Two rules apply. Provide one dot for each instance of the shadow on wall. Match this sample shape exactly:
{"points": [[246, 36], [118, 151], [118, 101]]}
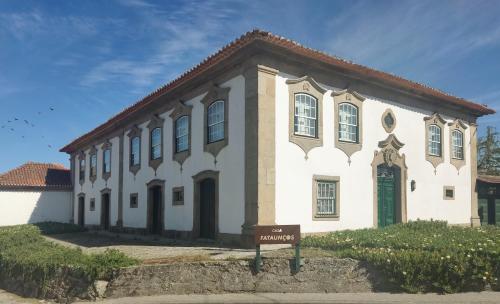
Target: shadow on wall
{"points": [[49, 206]]}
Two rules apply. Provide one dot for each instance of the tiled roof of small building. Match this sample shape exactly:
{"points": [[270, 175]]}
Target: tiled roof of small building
{"points": [[489, 179], [36, 175], [297, 48]]}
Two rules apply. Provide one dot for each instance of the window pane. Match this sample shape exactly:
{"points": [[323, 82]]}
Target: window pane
{"points": [[156, 143], [305, 115], [135, 151], [434, 140], [181, 134], [457, 147], [93, 165], [106, 161], [215, 121], [326, 198], [348, 122]]}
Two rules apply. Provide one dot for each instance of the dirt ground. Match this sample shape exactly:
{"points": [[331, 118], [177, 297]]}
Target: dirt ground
{"points": [[161, 250]]}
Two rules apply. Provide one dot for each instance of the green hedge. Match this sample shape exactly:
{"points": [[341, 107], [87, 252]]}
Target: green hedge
{"points": [[24, 252], [424, 256]]}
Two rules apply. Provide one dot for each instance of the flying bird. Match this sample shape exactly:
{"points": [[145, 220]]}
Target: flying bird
{"points": [[15, 119], [26, 122], [12, 129], [8, 121], [49, 146], [51, 108], [32, 125]]}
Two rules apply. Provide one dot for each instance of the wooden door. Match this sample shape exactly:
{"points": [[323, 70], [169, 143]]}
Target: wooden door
{"points": [[105, 211], [207, 208], [386, 190], [156, 210], [81, 211]]}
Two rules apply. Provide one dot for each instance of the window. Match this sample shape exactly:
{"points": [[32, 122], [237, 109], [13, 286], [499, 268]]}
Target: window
{"points": [[93, 165], [434, 140], [305, 117], [134, 200], [348, 122], [325, 204], [92, 204], [325, 197], [434, 126], [106, 163], [457, 144], [135, 151], [82, 169], [156, 144], [215, 121], [182, 134], [178, 196], [448, 192]]}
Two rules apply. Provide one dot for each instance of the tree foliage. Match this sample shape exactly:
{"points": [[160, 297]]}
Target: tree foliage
{"points": [[488, 153]]}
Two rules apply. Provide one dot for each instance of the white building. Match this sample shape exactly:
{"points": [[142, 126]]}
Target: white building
{"points": [[267, 131], [35, 192]]}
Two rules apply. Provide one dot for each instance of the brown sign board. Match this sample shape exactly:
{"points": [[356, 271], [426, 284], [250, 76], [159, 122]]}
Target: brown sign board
{"points": [[277, 234]]}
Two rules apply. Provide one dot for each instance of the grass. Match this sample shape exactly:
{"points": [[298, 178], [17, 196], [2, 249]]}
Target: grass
{"points": [[423, 256], [25, 252]]}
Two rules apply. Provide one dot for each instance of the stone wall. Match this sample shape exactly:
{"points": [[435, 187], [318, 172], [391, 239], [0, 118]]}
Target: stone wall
{"points": [[65, 285], [277, 275]]}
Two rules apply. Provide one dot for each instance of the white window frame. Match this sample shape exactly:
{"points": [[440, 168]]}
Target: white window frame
{"points": [[215, 119], [301, 129], [184, 135], [106, 164], [138, 154], [457, 148], [345, 112], [326, 201], [435, 142], [93, 165], [158, 145]]}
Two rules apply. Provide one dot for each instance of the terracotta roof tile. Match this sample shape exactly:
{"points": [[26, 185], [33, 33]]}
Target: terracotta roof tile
{"points": [[292, 46], [37, 175], [489, 179]]}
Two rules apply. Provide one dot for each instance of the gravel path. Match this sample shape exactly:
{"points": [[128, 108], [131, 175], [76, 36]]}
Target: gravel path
{"points": [[153, 248]]}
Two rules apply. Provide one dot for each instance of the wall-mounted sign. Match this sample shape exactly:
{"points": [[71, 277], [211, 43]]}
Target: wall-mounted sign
{"points": [[277, 234]]}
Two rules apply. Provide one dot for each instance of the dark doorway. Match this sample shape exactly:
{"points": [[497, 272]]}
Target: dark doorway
{"points": [[155, 213], [207, 208], [105, 211], [388, 205], [81, 211]]}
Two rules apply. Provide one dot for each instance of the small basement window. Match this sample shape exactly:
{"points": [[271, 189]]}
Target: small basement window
{"points": [[134, 200], [178, 196], [448, 192]]}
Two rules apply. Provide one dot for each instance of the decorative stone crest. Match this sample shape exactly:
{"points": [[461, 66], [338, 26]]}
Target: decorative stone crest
{"points": [[388, 121]]}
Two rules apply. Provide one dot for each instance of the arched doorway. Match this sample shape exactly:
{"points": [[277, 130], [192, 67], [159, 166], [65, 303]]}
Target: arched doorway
{"points": [[206, 205], [156, 207], [389, 183]]}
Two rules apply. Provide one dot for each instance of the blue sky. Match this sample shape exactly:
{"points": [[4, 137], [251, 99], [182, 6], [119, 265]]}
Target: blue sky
{"points": [[90, 59]]}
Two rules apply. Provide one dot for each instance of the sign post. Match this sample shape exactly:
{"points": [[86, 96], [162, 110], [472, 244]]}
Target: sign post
{"points": [[277, 234]]}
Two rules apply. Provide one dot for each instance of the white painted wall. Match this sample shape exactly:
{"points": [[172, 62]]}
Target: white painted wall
{"points": [[294, 173], [22, 207], [93, 191], [230, 164]]}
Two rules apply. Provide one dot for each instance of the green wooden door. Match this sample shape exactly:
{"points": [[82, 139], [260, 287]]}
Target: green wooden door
{"points": [[386, 199]]}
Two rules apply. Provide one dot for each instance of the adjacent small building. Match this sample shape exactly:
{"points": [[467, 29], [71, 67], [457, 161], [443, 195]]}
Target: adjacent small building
{"points": [[267, 131], [488, 189], [35, 192]]}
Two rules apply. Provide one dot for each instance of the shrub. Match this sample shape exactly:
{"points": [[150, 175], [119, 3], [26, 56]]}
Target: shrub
{"points": [[423, 256], [48, 228], [25, 253]]}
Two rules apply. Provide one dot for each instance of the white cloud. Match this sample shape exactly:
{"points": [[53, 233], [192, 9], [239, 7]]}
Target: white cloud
{"points": [[191, 30]]}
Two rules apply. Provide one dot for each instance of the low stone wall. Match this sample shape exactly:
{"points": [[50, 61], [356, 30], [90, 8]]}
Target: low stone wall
{"points": [[316, 275], [67, 284]]}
